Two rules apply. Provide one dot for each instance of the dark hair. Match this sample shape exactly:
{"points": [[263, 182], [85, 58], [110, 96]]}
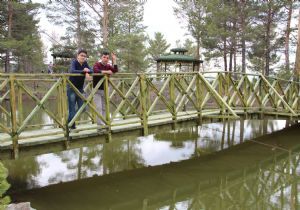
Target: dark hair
{"points": [[104, 52], [81, 51]]}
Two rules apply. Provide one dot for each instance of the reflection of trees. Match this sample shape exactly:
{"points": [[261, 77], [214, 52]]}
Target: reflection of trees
{"points": [[178, 137], [120, 155], [262, 187], [22, 172], [82, 161], [110, 157]]}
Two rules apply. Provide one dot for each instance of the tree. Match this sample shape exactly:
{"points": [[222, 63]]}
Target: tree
{"points": [[194, 13], [266, 40], [20, 40], [297, 62], [102, 11], [245, 12], [157, 46], [127, 37], [191, 47], [289, 9], [217, 34], [73, 15]]}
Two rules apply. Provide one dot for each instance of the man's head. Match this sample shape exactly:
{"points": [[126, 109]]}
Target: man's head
{"points": [[104, 57], [81, 55]]}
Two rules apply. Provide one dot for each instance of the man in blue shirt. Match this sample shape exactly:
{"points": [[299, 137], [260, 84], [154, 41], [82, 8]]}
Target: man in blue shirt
{"points": [[78, 66]]}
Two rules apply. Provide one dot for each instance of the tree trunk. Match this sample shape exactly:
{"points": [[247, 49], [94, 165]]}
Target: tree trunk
{"points": [[287, 36], [230, 58], [105, 22], [225, 55], [78, 24], [267, 39], [198, 49], [234, 58], [225, 47], [243, 37], [297, 61], [243, 55], [8, 51], [198, 54]]}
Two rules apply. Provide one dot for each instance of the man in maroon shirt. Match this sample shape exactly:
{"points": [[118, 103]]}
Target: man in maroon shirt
{"points": [[103, 67]]}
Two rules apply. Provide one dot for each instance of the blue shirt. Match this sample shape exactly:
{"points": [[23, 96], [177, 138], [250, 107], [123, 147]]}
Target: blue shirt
{"points": [[77, 68]]}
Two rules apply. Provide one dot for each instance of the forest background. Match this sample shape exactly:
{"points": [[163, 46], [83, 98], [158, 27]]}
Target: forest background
{"points": [[229, 35]]}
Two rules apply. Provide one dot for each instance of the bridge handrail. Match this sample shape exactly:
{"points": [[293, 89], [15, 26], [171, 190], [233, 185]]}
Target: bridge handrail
{"points": [[142, 96]]}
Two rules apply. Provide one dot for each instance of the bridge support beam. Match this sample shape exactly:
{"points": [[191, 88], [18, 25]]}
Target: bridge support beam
{"points": [[13, 115], [172, 100], [143, 101]]}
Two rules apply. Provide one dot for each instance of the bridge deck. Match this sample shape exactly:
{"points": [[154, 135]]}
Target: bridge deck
{"points": [[51, 135]]}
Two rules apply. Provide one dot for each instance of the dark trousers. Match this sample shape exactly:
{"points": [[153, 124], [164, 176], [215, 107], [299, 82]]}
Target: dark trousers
{"points": [[73, 99]]}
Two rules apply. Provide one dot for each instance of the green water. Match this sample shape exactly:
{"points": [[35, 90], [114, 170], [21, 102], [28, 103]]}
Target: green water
{"points": [[214, 166]]}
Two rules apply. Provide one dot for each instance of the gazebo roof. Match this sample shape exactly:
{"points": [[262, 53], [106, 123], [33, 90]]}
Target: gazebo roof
{"points": [[62, 55], [179, 50], [178, 56]]}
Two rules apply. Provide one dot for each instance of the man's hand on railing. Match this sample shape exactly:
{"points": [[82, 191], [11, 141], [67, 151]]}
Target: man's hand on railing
{"points": [[108, 72], [86, 70], [88, 77]]}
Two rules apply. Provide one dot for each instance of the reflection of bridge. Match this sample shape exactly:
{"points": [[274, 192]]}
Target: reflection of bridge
{"points": [[261, 175], [137, 102]]}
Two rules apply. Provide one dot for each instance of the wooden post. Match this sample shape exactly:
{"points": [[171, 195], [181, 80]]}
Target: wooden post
{"points": [[143, 101], [123, 90], [59, 104], [228, 75], [107, 111], [65, 108], [20, 105], [14, 134], [199, 100], [261, 115], [172, 99]]}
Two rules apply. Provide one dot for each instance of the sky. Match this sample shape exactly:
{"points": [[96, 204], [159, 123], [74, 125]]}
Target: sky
{"points": [[158, 17]]}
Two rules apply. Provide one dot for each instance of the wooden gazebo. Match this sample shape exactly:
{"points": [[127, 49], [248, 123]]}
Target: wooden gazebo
{"points": [[179, 61], [62, 55]]}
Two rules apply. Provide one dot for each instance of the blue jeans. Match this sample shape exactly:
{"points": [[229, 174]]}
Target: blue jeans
{"points": [[73, 98]]}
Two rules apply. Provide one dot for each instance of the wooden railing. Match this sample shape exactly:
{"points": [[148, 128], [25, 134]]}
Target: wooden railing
{"points": [[142, 99]]}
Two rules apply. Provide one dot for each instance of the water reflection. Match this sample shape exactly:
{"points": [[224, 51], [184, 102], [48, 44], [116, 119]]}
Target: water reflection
{"points": [[273, 187], [246, 176], [133, 152]]}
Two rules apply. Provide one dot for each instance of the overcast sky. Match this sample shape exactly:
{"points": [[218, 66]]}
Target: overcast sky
{"points": [[158, 17]]}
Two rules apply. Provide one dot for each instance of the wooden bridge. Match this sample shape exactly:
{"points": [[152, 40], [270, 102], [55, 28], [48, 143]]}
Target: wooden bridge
{"points": [[135, 101]]}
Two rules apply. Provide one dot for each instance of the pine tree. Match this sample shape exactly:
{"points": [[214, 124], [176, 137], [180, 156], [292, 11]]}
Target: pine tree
{"points": [[102, 11], [297, 61], [127, 38], [157, 47], [20, 40], [193, 12], [75, 18], [216, 37], [191, 48], [266, 40]]}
